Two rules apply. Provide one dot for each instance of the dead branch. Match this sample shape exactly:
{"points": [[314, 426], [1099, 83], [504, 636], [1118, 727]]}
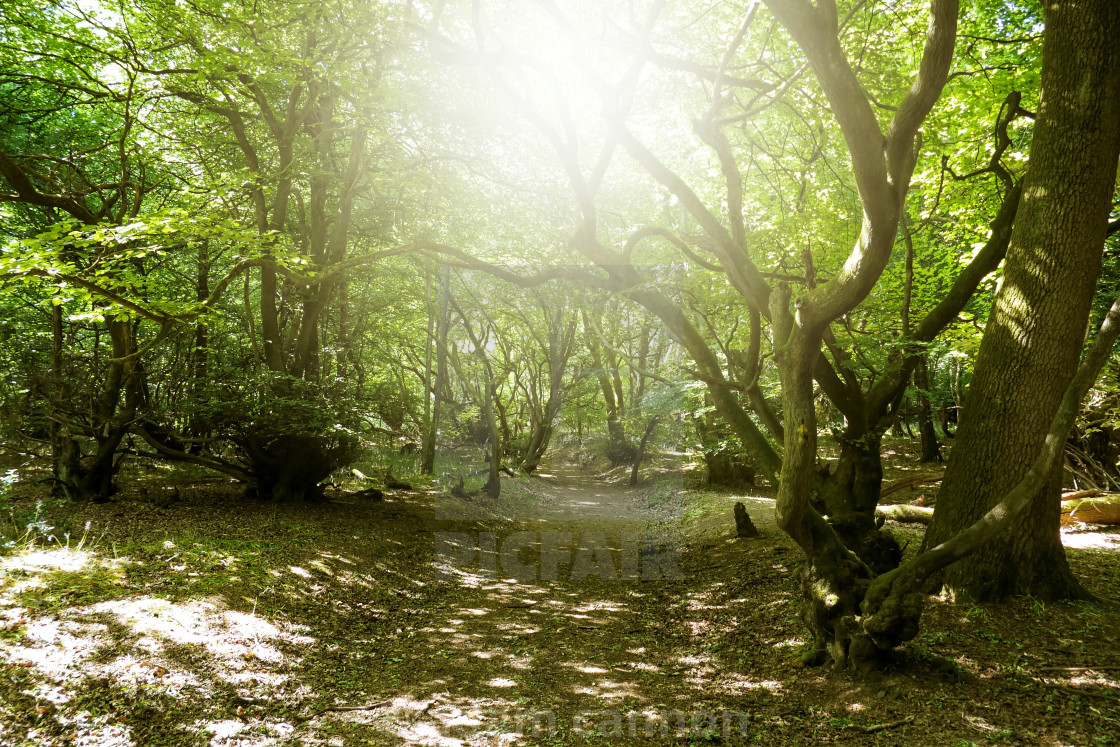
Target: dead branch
{"points": [[922, 479], [907, 514]]}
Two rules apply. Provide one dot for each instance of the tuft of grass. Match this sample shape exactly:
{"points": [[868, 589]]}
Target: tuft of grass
{"points": [[60, 589]]}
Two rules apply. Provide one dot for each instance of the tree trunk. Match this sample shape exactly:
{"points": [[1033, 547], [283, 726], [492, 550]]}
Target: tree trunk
{"points": [[619, 448], [82, 477], [931, 449], [848, 498], [640, 452], [1037, 326], [493, 486], [59, 396], [443, 322], [290, 468], [197, 427], [945, 415]]}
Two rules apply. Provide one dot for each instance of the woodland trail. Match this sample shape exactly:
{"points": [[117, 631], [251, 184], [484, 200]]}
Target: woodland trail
{"points": [[568, 635]]}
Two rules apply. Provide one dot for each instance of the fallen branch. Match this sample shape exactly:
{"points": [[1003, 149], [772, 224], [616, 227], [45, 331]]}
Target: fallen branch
{"points": [[905, 513], [923, 479], [1099, 510], [1082, 494], [883, 727]]}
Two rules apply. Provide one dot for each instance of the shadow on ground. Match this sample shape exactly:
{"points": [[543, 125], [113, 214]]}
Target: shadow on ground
{"points": [[219, 621]]}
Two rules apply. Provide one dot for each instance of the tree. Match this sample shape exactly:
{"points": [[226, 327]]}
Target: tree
{"points": [[846, 555], [1034, 334], [80, 178]]}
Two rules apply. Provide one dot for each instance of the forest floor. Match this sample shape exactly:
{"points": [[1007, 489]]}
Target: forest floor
{"points": [[419, 620]]}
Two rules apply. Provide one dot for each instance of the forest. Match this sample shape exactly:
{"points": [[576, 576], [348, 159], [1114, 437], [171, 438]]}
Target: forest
{"points": [[555, 372]]}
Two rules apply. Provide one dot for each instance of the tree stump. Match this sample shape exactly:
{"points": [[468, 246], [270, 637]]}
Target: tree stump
{"points": [[744, 527]]}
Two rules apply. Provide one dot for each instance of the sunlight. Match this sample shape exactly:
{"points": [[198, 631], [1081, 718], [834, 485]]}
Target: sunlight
{"points": [[600, 605], [742, 684], [58, 559], [644, 666], [585, 668], [257, 257], [517, 628], [221, 730], [1089, 540]]}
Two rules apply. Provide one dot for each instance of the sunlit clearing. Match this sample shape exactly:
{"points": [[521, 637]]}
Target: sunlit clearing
{"points": [[1082, 540], [59, 559]]}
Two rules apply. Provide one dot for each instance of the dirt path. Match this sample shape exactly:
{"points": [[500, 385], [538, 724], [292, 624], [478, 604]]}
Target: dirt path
{"points": [[564, 636]]}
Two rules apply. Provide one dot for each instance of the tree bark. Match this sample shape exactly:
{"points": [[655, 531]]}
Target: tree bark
{"points": [[1037, 326], [931, 449]]}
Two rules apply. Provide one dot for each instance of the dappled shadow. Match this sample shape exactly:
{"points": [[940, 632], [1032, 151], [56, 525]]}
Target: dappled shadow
{"points": [[344, 622]]}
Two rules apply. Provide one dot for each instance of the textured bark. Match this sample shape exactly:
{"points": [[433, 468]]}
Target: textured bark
{"points": [[834, 579], [1036, 329], [848, 498], [892, 604]]}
